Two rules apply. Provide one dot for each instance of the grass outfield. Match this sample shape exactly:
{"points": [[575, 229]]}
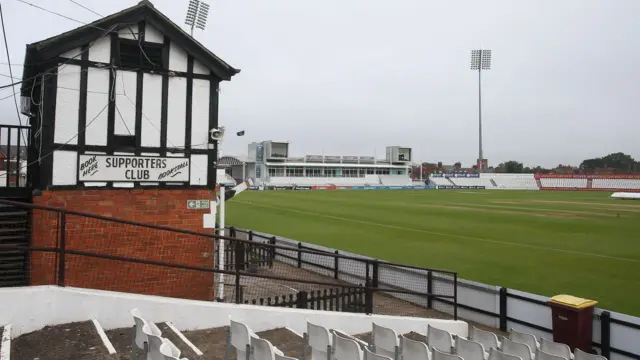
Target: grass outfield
{"points": [[580, 243]]}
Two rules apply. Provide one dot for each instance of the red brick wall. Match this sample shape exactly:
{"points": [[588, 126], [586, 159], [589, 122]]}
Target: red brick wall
{"points": [[153, 206]]}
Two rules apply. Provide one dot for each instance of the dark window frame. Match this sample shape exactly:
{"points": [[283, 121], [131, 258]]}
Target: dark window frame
{"points": [[130, 55]]}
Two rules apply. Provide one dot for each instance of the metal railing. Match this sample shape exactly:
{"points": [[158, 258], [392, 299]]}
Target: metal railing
{"points": [[70, 248]]}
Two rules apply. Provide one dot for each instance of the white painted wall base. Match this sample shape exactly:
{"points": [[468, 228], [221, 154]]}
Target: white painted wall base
{"points": [[37, 306]]}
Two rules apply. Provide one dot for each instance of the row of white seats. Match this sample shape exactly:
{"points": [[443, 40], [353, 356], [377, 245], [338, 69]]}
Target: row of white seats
{"points": [[439, 181], [148, 338], [396, 180], [473, 182], [616, 184], [563, 183], [441, 345], [516, 184]]}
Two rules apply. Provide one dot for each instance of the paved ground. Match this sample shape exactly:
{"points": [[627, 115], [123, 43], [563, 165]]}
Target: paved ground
{"points": [[69, 341]]}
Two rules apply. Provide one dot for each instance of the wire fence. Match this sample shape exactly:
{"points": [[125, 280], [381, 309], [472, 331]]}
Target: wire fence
{"points": [[69, 248]]}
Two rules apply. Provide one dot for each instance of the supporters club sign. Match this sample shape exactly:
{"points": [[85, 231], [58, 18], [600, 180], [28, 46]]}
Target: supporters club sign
{"points": [[133, 168]]}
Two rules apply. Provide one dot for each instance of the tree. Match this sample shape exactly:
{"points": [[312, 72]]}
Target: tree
{"points": [[618, 161], [457, 166], [511, 166]]}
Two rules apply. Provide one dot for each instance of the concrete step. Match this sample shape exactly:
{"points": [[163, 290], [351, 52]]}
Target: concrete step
{"points": [[78, 340]]}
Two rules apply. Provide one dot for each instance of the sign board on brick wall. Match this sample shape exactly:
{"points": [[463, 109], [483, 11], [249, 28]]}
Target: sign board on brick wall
{"points": [[197, 204], [119, 168]]}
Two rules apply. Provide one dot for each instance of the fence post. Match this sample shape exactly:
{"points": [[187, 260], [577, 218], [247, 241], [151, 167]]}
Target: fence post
{"points": [[455, 296], [605, 334], [375, 278], [301, 300], [299, 254], [250, 235], [335, 266], [429, 289], [238, 289], [503, 309], [368, 292], [63, 246], [273, 251]]}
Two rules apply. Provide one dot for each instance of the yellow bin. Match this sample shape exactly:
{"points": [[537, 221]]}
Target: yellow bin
{"points": [[572, 319]]}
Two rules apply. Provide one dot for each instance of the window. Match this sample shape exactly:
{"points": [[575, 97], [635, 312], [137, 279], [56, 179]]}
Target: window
{"points": [[314, 172], [135, 55], [124, 142], [294, 171], [349, 172]]}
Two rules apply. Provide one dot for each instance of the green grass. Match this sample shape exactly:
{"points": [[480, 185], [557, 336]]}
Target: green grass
{"points": [[578, 243]]}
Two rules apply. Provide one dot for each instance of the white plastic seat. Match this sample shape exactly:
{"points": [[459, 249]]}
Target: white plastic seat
{"points": [[343, 334], [413, 350], [140, 336], [170, 351], [283, 357], [384, 341], [541, 355], [439, 355], [524, 338], [346, 349], [581, 355], [319, 340], [239, 337], [439, 339], [156, 342], [370, 355], [495, 354], [521, 350], [469, 349], [487, 339], [263, 349], [557, 349]]}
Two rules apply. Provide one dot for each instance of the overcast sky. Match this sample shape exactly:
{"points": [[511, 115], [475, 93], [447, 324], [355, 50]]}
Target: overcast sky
{"points": [[349, 77]]}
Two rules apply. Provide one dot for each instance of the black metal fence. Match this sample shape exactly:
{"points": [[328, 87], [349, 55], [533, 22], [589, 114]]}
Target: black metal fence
{"points": [[338, 299], [70, 248], [407, 289]]}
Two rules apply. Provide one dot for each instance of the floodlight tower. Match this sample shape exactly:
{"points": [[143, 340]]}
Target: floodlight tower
{"points": [[480, 60], [197, 13]]}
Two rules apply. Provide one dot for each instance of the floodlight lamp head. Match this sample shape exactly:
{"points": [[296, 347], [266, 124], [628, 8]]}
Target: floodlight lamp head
{"points": [[480, 59], [192, 11]]}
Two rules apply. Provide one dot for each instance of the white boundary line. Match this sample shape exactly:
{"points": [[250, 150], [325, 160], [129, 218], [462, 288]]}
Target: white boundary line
{"points": [[5, 345], [103, 336], [442, 234], [184, 338]]}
